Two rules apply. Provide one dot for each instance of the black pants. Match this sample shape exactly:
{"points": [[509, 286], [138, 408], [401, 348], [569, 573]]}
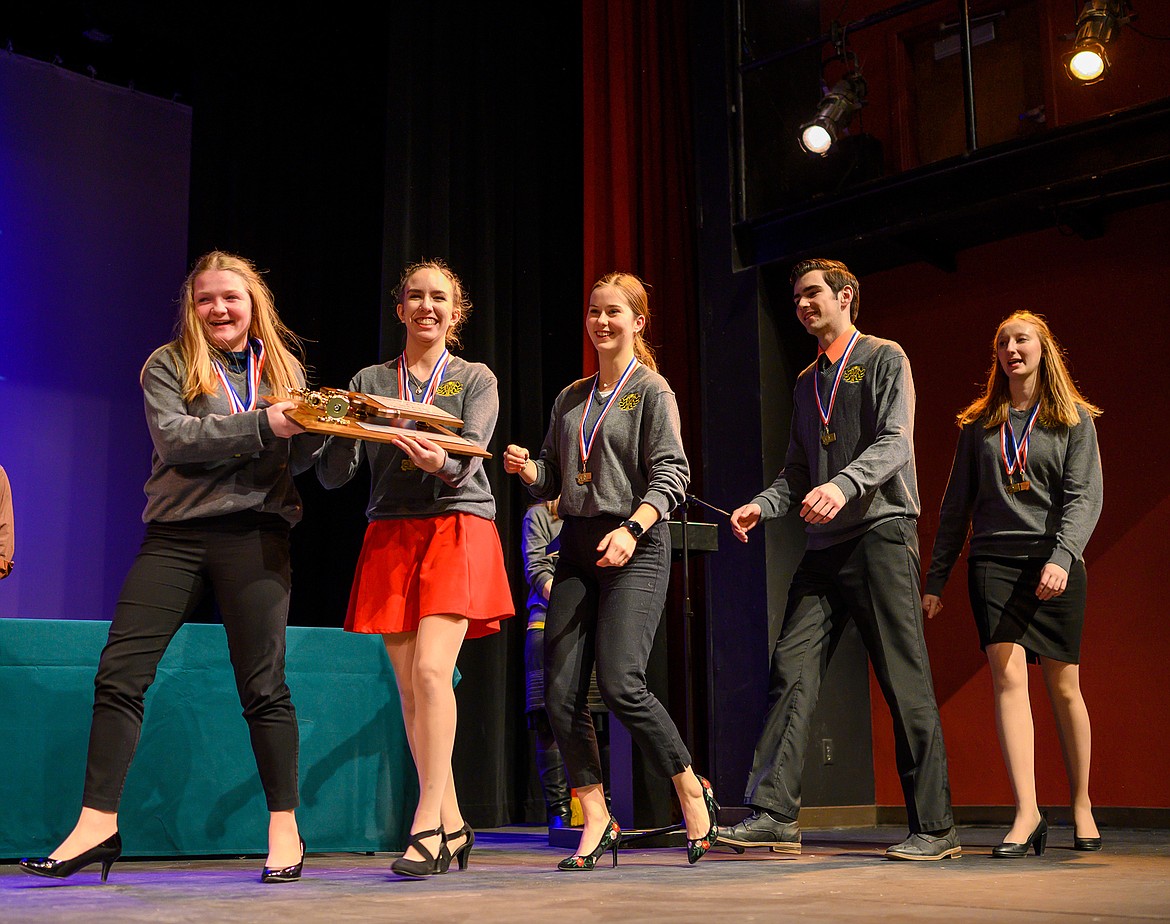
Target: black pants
{"points": [[244, 559], [872, 579], [608, 616]]}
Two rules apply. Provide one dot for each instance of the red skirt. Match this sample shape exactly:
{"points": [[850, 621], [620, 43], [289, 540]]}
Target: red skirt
{"points": [[446, 565]]}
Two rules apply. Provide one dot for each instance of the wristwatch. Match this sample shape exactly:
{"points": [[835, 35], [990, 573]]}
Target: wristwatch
{"points": [[636, 529]]}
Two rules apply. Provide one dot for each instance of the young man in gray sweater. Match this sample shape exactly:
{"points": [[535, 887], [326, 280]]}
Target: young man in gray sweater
{"points": [[850, 470]]}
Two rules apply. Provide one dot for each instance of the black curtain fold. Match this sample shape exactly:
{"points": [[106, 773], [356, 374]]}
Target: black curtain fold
{"points": [[334, 153], [483, 169]]}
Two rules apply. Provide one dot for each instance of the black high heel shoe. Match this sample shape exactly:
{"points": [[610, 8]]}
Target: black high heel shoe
{"points": [[1086, 843], [1038, 840], [104, 853], [431, 863], [463, 853], [285, 873], [699, 846], [609, 841]]}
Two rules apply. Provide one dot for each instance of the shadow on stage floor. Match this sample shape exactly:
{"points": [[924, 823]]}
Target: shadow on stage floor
{"points": [[840, 876]]}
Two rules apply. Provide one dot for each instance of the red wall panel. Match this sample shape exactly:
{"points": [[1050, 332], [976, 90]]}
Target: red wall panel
{"points": [[1106, 301]]}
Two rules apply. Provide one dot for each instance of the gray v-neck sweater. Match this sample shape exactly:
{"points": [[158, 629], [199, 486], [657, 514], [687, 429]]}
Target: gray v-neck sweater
{"points": [[637, 456], [872, 457], [210, 462], [397, 488], [1053, 519]]}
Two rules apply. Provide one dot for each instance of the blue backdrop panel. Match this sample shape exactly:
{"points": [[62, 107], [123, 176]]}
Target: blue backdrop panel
{"points": [[193, 787], [94, 183]]}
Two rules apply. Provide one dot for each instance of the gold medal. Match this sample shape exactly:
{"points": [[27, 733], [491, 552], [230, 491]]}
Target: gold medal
{"points": [[584, 477], [1018, 486], [827, 437]]}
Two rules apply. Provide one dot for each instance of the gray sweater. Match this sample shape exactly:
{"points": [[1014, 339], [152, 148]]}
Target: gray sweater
{"points": [[210, 462], [1052, 520], [872, 458], [539, 531], [637, 455], [399, 490]]}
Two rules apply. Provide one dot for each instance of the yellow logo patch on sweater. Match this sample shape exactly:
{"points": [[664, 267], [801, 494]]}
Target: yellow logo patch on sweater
{"points": [[854, 374], [449, 389], [629, 402]]}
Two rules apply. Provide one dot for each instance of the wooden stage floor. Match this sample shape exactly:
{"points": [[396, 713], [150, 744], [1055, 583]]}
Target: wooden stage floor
{"points": [[841, 876]]}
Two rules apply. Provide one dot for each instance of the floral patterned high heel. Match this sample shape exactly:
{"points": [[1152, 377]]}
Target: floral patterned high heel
{"points": [[609, 841], [697, 847]]}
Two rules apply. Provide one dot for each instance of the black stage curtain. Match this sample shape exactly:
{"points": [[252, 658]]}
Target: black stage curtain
{"points": [[483, 168], [335, 150]]}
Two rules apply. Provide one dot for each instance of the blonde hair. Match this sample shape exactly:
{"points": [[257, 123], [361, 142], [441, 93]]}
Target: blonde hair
{"points": [[1059, 396], [634, 292], [459, 300], [283, 365]]}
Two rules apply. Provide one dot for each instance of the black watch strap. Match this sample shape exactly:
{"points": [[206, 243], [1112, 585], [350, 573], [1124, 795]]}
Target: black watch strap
{"points": [[636, 529]]}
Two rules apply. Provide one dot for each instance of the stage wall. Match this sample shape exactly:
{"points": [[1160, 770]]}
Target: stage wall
{"points": [[1110, 314], [93, 237]]}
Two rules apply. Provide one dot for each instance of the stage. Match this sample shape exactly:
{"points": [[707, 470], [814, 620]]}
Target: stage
{"points": [[511, 877]]}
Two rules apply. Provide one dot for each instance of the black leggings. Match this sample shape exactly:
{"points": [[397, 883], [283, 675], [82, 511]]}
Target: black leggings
{"points": [[244, 560]]}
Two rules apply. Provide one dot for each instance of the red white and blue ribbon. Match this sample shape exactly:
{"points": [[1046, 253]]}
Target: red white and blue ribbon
{"points": [[1015, 454], [428, 394], [586, 443], [255, 351], [826, 414]]}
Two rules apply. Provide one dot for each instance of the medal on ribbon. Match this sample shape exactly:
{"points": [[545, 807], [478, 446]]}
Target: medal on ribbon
{"points": [[827, 436], [1015, 454], [255, 371], [427, 396], [586, 443]]}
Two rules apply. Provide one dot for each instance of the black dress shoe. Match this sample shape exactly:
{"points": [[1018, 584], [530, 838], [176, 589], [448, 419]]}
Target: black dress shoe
{"points": [[560, 814], [1085, 843], [430, 863], [461, 855], [762, 830], [921, 846], [1013, 851], [285, 873], [104, 853]]}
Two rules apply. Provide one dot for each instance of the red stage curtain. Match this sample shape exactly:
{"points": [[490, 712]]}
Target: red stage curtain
{"points": [[639, 170]]}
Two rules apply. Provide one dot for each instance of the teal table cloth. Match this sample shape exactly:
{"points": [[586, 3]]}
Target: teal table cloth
{"points": [[193, 787]]}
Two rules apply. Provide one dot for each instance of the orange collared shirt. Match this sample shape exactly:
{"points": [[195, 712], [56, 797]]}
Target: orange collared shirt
{"points": [[837, 348]]}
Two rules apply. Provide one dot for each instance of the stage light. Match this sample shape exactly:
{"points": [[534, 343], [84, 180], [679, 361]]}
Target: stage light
{"points": [[1099, 22], [819, 134]]}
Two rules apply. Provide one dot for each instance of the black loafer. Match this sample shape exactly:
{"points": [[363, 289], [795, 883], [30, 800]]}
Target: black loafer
{"points": [[762, 830], [927, 847]]}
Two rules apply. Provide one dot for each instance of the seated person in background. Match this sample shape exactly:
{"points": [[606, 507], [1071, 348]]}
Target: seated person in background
{"points": [[7, 536]]}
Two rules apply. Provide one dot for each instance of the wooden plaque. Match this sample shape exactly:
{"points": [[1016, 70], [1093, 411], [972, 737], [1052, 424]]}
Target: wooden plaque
{"points": [[359, 416]]}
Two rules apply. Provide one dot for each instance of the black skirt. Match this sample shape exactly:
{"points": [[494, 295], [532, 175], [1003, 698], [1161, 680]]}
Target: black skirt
{"points": [[1006, 608]]}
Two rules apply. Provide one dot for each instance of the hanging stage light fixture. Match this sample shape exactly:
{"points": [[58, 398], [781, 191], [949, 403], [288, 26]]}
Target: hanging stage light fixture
{"points": [[1099, 22], [834, 112], [836, 108]]}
